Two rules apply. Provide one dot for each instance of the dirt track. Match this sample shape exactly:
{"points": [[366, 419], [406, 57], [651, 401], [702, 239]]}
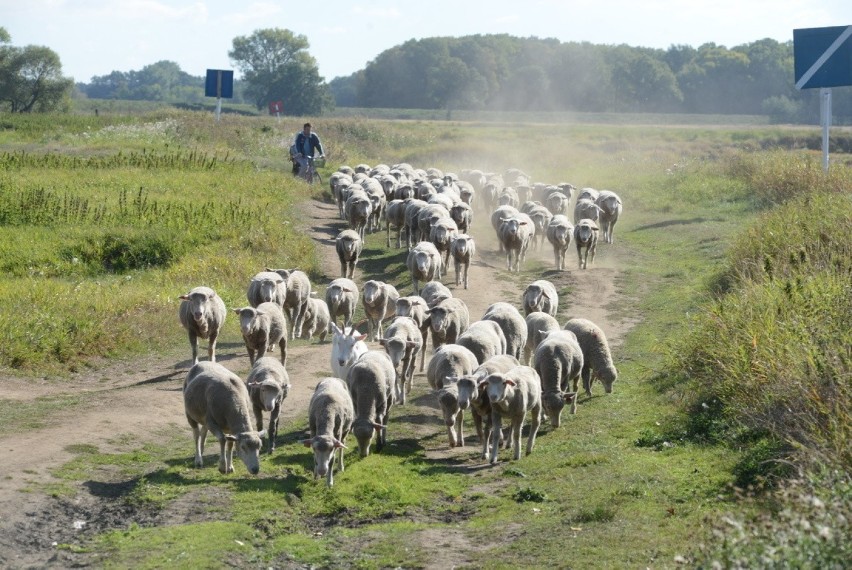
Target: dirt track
{"points": [[140, 399]]}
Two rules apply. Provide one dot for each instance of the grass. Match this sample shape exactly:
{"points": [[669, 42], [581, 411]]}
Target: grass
{"points": [[631, 480]]}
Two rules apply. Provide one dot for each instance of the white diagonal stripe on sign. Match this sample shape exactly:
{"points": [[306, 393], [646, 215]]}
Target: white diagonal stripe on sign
{"points": [[824, 57]]}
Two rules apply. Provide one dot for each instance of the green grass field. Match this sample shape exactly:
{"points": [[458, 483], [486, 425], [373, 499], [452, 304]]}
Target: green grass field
{"points": [[106, 218]]}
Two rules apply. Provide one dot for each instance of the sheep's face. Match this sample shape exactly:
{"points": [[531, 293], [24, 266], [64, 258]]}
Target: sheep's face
{"points": [[511, 226], [396, 348], [448, 399], [247, 317], [498, 388], [363, 431], [440, 319], [268, 289], [372, 290], [323, 447], [461, 246], [270, 393], [553, 402], [422, 262], [404, 307], [199, 304], [468, 391], [248, 446], [585, 232]]}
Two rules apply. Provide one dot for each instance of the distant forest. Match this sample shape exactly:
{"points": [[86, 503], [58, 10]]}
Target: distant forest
{"points": [[507, 73]]}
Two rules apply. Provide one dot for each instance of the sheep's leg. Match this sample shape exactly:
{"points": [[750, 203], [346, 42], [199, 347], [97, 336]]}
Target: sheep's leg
{"points": [[193, 344], [272, 432], [211, 347], [199, 434], [282, 344], [535, 422], [258, 416], [516, 438], [587, 380], [459, 426], [496, 431]]}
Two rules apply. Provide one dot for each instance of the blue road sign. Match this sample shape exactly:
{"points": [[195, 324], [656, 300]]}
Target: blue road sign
{"points": [[219, 83], [823, 57]]}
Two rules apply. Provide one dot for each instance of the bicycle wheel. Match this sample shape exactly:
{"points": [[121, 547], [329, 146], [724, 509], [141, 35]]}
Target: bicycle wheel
{"points": [[317, 178]]}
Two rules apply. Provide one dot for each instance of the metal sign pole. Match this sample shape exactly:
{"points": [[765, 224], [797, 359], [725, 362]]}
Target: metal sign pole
{"points": [[825, 120], [218, 95]]}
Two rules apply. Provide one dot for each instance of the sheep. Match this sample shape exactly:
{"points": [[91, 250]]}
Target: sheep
{"points": [[348, 245], [337, 182], [341, 296], [559, 233], [538, 325], [586, 209], [585, 238], [402, 341], [412, 211], [462, 215], [267, 287], [268, 384], [557, 203], [588, 194], [359, 212], [298, 287], [331, 413], [395, 215], [428, 216], [441, 235], [540, 217], [484, 339], [597, 357], [202, 313], [462, 250], [371, 384], [415, 307], [467, 192], [424, 264], [512, 394], [470, 395], [513, 324], [379, 300], [540, 295], [449, 360], [217, 400], [509, 197], [515, 235], [347, 345], [316, 319], [610, 210], [448, 319], [262, 328], [378, 200], [434, 292], [559, 363]]}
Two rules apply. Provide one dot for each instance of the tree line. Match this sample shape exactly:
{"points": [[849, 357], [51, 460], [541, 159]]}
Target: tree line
{"points": [[496, 72]]}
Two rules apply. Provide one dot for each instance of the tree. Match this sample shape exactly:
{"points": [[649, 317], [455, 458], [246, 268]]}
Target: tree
{"points": [[276, 65], [31, 78]]}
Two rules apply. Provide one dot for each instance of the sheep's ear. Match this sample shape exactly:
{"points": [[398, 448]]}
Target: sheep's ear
{"points": [[184, 297], [410, 344], [377, 426], [261, 433], [482, 384], [230, 437], [361, 336], [569, 397], [383, 341], [237, 311], [509, 382], [339, 444], [307, 442]]}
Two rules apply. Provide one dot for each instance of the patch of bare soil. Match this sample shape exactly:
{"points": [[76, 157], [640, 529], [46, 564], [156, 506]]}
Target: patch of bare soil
{"points": [[138, 400]]}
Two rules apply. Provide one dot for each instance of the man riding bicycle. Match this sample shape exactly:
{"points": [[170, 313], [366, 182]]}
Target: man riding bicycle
{"points": [[303, 148]]}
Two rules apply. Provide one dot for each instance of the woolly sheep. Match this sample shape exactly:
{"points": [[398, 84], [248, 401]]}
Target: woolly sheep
{"points": [[298, 287], [559, 232], [610, 205], [317, 319], [448, 319], [371, 384], [202, 313], [585, 238], [395, 216], [217, 400], [597, 357], [484, 339], [415, 307], [586, 209], [462, 215], [441, 235], [402, 341], [378, 200], [347, 345], [513, 324], [448, 401], [268, 384], [559, 362], [540, 217], [557, 203], [538, 324], [588, 194], [428, 216], [337, 182], [462, 250], [515, 235], [512, 394], [359, 212], [467, 192], [267, 287], [509, 197], [471, 396], [434, 292], [449, 360], [330, 416], [341, 296], [379, 300], [540, 295], [348, 245], [411, 229], [424, 264], [262, 328]]}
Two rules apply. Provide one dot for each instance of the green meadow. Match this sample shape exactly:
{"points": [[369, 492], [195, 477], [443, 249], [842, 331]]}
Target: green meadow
{"points": [[732, 402]]}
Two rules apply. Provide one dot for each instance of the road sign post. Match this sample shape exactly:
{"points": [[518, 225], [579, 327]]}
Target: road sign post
{"points": [[823, 58], [219, 83]]}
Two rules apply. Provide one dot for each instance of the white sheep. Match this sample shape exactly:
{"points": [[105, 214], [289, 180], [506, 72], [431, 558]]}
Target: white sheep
{"points": [[268, 384], [610, 205], [559, 363], [347, 345], [359, 212], [586, 239], [402, 341], [540, 217], [379, 300], [588, 194], [267, 287], [298, 286], [202, 313], [441, 235], [513, 324], [217, 400], [597, 357], [424, 264], [538, 325], [462, 250], [559, 233], [348, 245], [341, 296], [557, 203], [428, 216], [416, 308], [512, 394], [484, 339], [316, 320], [371, 384], [540, 295], [395, 216], [515, 235], [330, 417], [262, 328], [434, 292], [449, 360], [411, 229], [448, 319], [586, 209], [497, 217]]}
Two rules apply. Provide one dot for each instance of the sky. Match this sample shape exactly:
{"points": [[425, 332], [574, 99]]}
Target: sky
{"points": [[97, 37]]}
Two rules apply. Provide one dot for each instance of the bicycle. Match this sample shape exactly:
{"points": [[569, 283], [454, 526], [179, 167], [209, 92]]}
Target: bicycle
{"points": [[311, 175]]}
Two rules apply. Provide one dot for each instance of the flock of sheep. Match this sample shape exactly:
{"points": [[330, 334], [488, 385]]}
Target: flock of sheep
{"points": [[506, 365]]}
